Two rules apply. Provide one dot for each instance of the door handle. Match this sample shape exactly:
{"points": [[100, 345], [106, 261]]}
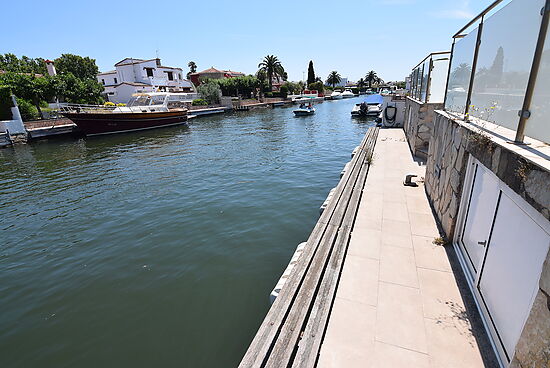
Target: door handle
{"points": [[482, 243]]}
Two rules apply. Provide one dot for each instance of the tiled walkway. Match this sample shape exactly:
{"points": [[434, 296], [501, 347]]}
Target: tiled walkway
{"points": [[397, 304]]}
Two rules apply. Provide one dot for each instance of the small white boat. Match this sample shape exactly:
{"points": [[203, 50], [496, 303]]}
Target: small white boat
{"points": [[304, 111], [347, 94], [335, 95], [359, 109]]}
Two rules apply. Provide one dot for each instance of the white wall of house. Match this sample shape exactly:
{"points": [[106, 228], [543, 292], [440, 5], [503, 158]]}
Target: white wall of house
{"points": [[108, 79], [136, 71]]}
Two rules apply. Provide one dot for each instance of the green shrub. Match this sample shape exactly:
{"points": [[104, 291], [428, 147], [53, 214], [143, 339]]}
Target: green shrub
{"points": [[318, 86], [355, 90], [5, 103], [199, 102], [28, 110], [284, 91], [268, 94], [211, 92]]}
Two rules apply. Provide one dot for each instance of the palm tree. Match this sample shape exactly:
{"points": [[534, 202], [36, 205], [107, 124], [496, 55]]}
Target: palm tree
{"points": [[371, 78], [192, 68], [273, 68], [333, 78], [360, 83]]}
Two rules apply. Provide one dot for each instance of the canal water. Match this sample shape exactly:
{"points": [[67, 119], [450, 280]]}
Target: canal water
{"points": [[159, 248]]}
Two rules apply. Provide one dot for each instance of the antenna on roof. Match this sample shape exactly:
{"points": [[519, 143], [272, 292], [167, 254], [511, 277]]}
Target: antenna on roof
{"points": [[157, 51]]}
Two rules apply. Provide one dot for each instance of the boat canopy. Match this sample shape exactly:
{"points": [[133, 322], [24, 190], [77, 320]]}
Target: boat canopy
{"points": [[374, 99]]}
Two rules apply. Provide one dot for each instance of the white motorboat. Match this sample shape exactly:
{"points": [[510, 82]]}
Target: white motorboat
{"points": [[304, 110], [336, 95], [372, 106], [347, 94]]}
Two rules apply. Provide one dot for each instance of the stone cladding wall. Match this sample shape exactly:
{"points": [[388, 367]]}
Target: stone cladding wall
{"points": [[451, 144]]}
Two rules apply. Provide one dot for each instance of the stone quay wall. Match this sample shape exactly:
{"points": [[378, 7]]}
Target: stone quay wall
{"points": [[418, 125], [451, 144]]}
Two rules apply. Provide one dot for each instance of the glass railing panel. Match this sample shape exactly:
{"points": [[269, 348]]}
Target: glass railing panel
{"points": [[538, 125], [438, 78], [505, 57], [461, 70], [419, 81], [424, 89]]}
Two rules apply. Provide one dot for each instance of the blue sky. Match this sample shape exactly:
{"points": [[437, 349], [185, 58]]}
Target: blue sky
{"points": [[350, 36]]}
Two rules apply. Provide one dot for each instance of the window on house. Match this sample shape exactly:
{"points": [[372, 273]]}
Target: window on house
{"points": [[170, 75], [103, 81], [149, 72], [116, 81]]}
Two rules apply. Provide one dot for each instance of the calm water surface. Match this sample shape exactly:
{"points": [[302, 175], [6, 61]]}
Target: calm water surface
{"points": [[159, 248]]}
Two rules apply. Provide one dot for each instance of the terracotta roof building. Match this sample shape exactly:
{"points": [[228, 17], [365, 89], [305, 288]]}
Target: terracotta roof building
{"points": [[213, 73]]}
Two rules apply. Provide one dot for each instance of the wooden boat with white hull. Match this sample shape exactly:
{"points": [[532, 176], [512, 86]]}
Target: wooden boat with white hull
{"points": [[144, 111]]}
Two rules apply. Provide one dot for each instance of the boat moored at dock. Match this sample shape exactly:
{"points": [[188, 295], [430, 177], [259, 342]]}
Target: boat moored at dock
{"points": [[372, 106], [143, 111], [347, 94], [336, 95]]}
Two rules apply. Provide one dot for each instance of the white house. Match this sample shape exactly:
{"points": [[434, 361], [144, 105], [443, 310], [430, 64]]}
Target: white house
{"points": [[343, 82], [137, 76]]}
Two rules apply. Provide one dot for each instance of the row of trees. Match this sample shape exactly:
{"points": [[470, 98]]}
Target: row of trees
{"points": [[28, 79], [371, 78]]}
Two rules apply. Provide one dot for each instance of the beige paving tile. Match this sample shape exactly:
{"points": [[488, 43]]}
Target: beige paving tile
{"points": [[393, 194], [359, 281], [386, 356], [365, 242], [397, 266], [418, 204], [451, 344], [441, 299], [423, 224], [396, 233], [429, 255], [399, 319], [416, 192], [349, 341], [397, 211], [369, 213]]}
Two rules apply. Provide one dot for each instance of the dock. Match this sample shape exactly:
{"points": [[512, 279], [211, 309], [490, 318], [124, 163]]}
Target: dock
{"points": [[371, 289]]}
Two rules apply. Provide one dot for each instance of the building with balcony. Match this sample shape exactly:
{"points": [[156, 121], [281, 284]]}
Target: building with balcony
{"points": [[140, 76]]}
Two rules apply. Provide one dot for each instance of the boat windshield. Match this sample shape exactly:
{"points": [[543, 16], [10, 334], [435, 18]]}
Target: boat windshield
{"points": [[139, 101], [158, 100]]}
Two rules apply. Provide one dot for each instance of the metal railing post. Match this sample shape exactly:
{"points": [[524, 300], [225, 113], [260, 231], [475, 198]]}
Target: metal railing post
{"points": [[449, 73], [524, 113], [474, 65]]}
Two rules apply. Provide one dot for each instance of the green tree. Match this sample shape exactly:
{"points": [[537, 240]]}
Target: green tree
{"points": [[318, 86], [210, 91], [192, 68], [80, 67], [361, 83], [371, 78], [334, 78], [310, 73], [273, 69], [11, 63]]}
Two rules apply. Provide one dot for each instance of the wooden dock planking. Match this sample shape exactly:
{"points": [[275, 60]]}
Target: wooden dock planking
{"points": [[293, 329]]}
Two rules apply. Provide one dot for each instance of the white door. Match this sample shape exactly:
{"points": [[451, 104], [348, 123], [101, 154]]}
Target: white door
{"points": [[479, 216], [509, 278]]}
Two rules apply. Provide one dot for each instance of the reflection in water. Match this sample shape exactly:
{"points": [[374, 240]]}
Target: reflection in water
{"points": [[159, 248]]}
